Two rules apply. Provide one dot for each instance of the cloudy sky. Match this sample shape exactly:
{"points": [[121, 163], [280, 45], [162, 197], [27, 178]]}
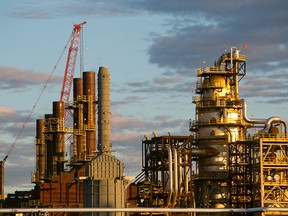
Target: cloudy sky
{"points": [[152, 48]]}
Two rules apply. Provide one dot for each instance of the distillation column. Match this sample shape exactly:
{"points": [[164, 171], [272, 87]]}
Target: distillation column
{"points": [[218, 122]]}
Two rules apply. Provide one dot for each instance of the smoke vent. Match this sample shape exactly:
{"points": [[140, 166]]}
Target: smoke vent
{"points": [[104, 114]]}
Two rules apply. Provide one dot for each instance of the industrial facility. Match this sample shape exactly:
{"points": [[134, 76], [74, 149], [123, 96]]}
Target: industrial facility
{"points": [[227, 161], [222, 164]]}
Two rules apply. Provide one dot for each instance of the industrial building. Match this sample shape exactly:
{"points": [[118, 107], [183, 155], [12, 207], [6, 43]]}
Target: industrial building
{"points": [[227, 161], [223, 163]]}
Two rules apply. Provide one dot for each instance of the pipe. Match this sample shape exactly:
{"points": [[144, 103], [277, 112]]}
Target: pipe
{"points": [[180, 171], [175, 178], [284, 123], [268, 122], [245, 117], [170, 177], [186, 179]]}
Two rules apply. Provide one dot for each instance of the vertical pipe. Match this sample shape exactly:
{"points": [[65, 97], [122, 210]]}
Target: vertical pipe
{"points": [[89, 86], [175, 177], [104, 113], [168, 202], [180, 173], [186, 177], [40, 148], [58, 134], [78, 118]]}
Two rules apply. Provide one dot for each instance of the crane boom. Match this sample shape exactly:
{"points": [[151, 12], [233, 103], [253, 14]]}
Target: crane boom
{"points": [[71, 62]]}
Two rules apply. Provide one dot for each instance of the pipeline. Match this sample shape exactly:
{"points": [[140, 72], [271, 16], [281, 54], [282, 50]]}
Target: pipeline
{"points": [[175, 178], [170, 177], [245, 117], [267, 122]]}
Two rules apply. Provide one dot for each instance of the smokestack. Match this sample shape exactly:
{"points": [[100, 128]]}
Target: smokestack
{"points": [[2, 179], [78, 119], [89, 86], [40, 149], [58, 137], [104, 114], [49, 147]]}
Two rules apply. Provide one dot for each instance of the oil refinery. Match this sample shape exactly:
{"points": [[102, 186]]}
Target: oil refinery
{"points": [[221, 167]]}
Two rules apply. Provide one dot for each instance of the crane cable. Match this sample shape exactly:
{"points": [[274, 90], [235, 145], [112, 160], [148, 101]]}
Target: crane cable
{"points": [[36, 103]]}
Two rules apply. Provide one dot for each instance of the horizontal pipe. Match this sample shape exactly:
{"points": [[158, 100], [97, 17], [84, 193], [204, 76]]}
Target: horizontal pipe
{"points": [[190, 210]]}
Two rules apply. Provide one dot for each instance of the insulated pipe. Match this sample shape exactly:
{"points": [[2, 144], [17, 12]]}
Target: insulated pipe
{"points": [[270, 120], [168, 202], [245, 117], [284, 123], [267, 122], [180, 175], [175, 178], [186, 179]]}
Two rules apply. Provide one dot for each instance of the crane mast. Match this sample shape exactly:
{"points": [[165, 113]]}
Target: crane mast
{"points": [[71, 62], [65, 93]]}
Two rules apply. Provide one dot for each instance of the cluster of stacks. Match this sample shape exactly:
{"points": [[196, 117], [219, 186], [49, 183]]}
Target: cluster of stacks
{"points": [[91, 170]]}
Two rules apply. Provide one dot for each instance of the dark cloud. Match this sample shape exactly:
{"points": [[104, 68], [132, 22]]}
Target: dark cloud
{"points": [[199, 33], [32, 9], [265, 87], [16, 79]]}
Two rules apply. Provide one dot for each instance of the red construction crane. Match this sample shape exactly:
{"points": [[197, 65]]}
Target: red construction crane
{"points": [[71, 62], [65, 93]]}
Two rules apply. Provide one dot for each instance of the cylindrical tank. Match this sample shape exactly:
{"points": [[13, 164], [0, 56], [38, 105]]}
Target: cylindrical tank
{"points": [[78, 118], [89, 86], [40, 148], [104, 113]]}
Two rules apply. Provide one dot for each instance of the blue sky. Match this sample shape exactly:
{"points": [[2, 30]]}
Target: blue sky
{"points": [[152, 48]]}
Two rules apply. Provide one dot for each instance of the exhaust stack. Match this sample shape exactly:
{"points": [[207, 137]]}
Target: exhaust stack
{"points": [[104, 114]]}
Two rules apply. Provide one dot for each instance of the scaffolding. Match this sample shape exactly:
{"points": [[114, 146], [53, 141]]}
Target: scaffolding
{"points": [[167, 167]]}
